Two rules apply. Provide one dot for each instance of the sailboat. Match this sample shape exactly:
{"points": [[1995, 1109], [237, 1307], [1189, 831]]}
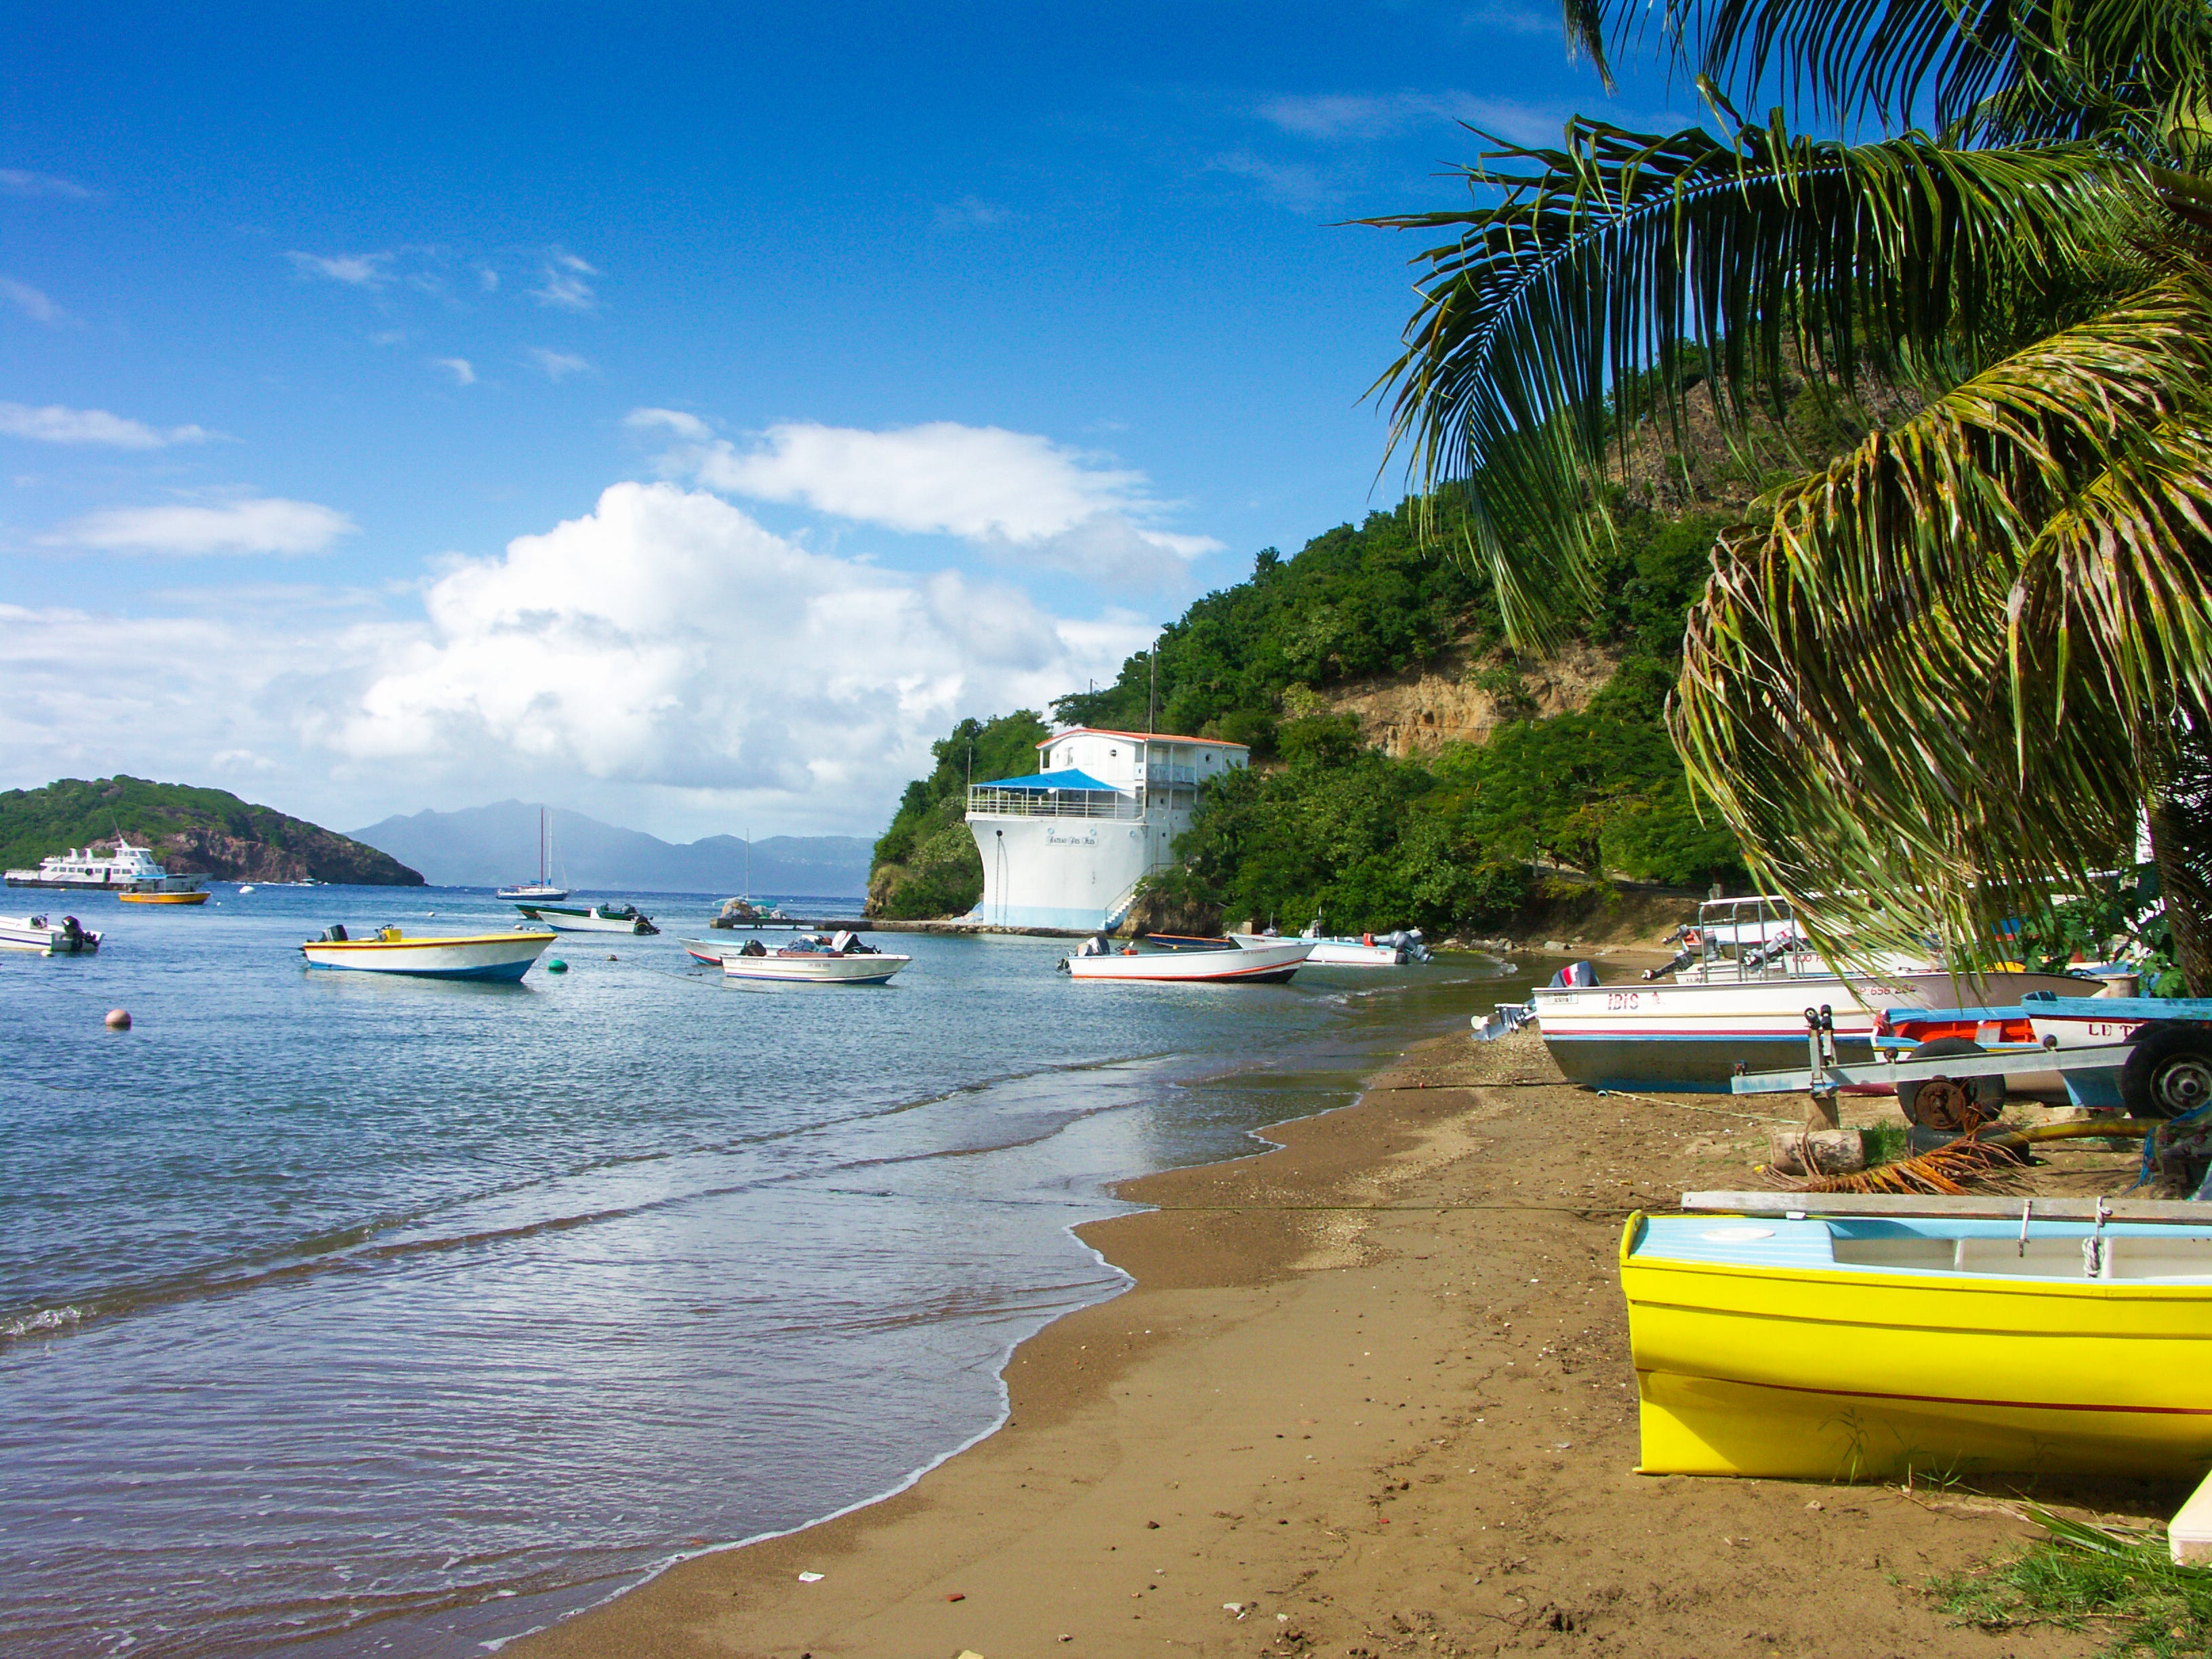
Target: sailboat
{"points": [[544, 886]]}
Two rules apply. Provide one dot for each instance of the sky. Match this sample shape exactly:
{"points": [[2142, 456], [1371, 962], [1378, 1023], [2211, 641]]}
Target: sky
{"points": [[684, 414]]}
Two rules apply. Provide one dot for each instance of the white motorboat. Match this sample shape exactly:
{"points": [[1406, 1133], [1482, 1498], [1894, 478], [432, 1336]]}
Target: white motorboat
{"points": [[46, 938], [545, 887], [1737, 1002], [1393, 950], [808, 959], [590, 918], [128, 869], [429, 956], [1248, 959]]}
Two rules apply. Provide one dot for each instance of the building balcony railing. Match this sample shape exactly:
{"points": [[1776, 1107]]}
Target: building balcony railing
{"points": [[988, 803], [1168, 772]]}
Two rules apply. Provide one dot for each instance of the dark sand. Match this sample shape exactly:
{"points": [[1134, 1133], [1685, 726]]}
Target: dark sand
{"points": [[1371, 1395]]}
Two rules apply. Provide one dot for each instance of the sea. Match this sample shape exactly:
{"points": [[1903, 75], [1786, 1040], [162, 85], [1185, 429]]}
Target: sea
{"points": [[343, 1314]]}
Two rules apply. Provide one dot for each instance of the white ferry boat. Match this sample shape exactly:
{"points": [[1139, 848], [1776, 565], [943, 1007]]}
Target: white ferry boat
{"points": [[128, 869]]}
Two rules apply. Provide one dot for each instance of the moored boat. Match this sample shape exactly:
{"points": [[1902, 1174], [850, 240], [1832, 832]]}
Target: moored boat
{"points": [[545, 888], [1392, 949], [46, 938], [429, 956], [1191, 962], [809, 959], [590, 918], [1736, 1001], [196, 896], [127, 870], [1864, 1346]]}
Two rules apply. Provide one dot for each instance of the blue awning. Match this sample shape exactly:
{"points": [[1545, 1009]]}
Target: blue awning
{"points": [[1042, 780]]}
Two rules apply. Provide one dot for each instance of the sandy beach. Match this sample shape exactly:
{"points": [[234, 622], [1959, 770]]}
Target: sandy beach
{"points": [[1370, 1394]]}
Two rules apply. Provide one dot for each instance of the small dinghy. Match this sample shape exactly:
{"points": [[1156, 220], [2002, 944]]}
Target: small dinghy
{"points": [[65, 938], [808, 959], [590, 918], [1858, 1346], [1190, 961], [429, 956]]}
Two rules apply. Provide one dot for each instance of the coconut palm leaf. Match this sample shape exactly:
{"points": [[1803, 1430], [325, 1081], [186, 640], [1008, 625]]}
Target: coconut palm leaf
{"points": [[1926, 680], [1623, 250]]}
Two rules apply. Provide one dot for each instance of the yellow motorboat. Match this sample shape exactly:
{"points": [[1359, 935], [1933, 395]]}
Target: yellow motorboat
{"points": [[1870, 1347], [198, 896]]}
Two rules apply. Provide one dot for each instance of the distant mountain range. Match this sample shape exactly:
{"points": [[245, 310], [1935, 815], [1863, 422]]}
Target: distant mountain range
{"points": [[495, 845]]}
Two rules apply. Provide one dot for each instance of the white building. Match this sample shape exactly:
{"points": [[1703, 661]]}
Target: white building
{"points": [[1066, 847]]}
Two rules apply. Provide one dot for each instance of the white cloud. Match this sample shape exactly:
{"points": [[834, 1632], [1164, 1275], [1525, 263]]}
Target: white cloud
{"points": [[460, 368], [675, 420], [32, 303], [970, 213], [1513, 19], [564, 286], [1012, 493], [354, 270], [558, 366], [256, 524], [54, 424], [487, 279], [15, 182], [1291, 185], [1331, 115], [663, 661], [668, 638]]}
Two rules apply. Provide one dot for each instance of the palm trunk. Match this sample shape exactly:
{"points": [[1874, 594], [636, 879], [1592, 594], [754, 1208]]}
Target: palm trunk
{"points": [[2181, 814]]}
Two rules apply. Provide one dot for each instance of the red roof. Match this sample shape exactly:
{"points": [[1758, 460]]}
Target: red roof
{"points": [[1139, 737]]}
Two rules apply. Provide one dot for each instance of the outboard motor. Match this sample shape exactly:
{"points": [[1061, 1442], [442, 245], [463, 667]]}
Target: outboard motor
{"points": [[73, 932], [336, 933], [1576, 976]]}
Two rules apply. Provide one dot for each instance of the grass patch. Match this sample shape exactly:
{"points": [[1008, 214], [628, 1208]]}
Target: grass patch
{"points": [[1887, 1143], [2123, 1583]]}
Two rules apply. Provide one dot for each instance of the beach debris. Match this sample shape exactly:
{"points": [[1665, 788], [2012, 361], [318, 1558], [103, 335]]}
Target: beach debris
{"points": [[1816, 1152], [118, 1020], [810, 1577], [1063, 1637], [1154, 1526], [1990, 1161], [969, 1653], [1237, 1608], [957, 1595]]}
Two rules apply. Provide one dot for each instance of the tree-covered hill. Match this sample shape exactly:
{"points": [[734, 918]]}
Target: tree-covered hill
{"points": [[192, 831], [1455, 835]]}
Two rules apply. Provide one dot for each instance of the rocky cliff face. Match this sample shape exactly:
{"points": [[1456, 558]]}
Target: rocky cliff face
{"points": [[1460, 701], [309, 854]]}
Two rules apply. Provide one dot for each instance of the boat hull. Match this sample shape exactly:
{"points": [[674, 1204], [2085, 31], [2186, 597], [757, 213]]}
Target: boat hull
{"points": [[486, 956], [197, 896], [1264, 964], [1694, 1037], [35, 935], [875, 969], [1834, 1373], [563, 921]]}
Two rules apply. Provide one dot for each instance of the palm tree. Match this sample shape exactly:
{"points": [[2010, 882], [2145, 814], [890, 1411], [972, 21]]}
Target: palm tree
{"points": [[1967, 657]]}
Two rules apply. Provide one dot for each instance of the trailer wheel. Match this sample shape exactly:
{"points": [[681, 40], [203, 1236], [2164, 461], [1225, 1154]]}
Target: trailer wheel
{"points": [[1953, 1105], [2169, 1072]]}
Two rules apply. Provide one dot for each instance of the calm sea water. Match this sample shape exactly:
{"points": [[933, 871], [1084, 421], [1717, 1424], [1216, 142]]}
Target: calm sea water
{"points": [[347, 1315]]}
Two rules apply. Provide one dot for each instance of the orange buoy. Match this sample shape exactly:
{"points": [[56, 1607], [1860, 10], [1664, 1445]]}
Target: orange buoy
{"points": [[118, 1020]]}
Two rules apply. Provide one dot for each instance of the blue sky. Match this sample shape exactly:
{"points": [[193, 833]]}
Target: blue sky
{"points": [[682, 413]]}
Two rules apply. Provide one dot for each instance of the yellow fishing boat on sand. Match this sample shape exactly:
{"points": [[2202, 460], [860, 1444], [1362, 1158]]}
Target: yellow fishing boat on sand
{"points": [[1871, 1346]]}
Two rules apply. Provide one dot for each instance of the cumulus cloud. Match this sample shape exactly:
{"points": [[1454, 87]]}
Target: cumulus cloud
{"points": [[354, 270], [1015, 494], [54, 424], [256, 525], [564, 286], [32, 303], [460, 368], [555, 366], [15, 182], [668, 638], [664, 654]]}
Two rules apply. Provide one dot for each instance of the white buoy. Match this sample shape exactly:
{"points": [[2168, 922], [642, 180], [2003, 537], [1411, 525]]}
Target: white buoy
{"points": [[118, 1020]]}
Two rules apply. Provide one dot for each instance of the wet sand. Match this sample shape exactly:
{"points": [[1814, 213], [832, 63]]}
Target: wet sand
{"points": [[1370, 1395]]}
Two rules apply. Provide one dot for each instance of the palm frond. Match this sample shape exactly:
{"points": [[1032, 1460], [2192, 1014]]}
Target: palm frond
{"points": [[1622, 249], [1923, 682]]}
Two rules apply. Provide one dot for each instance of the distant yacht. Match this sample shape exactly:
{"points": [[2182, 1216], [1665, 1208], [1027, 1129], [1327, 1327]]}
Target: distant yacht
{"points": [[129, 870], [544, 886]]}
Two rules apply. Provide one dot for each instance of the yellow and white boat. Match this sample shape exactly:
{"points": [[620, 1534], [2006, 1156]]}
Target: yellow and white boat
{"points": [[429, 956], [1865, 1347]]}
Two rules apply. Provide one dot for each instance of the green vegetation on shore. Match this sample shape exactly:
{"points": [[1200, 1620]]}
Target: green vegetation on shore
{"points": [[1461, 837], [192, 831]]}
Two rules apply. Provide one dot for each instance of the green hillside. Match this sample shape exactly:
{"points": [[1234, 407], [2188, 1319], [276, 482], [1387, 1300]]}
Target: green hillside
{"points": [[1458, 838], [192, 831]]}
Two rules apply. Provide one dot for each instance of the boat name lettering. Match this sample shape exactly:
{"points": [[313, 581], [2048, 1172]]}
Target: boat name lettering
{"points": [[2112, 1028], [1619, 1000], [1066, 838]]}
